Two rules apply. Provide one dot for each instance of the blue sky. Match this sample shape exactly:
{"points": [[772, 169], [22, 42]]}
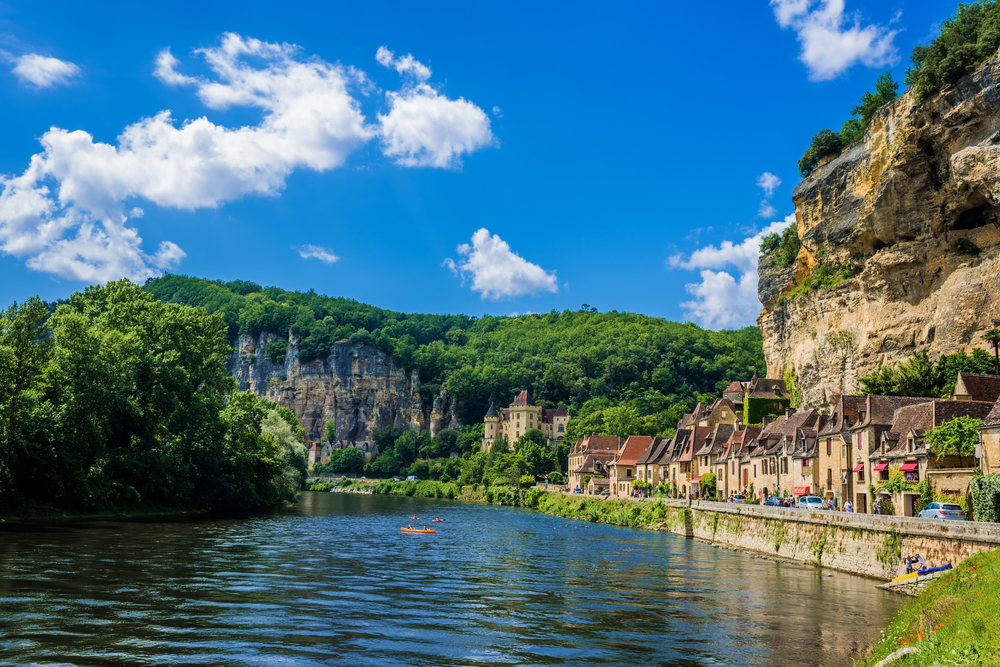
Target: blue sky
{"points": [[610, 149]]}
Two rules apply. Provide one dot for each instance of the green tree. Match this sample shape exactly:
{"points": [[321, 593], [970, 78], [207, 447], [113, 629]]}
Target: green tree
{"points": [[534, 448], [993, 338], [823, 143], [957, 436], [708, 482], [967, 39], [886, 90], [622, 421], [291, 452], [446, 442], [330, 431], [499, 445]]}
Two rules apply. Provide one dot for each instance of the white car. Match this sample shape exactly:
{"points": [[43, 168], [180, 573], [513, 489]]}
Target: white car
{"points": [[812, 503], [943, 511]]}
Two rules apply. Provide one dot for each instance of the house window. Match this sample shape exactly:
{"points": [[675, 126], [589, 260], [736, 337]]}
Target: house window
{"points": [[884, 475], [829, 478], [861, 475], [829, 447], [784, 465], [732, 465], [755, 471], [805, 464], [561, 428], [859, 434]]}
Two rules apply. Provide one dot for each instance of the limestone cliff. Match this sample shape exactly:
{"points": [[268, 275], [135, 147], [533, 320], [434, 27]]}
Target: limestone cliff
{"points": [[891, 207], [357, 386]]}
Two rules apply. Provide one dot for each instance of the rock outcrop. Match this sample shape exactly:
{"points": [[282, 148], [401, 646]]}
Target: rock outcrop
{"points": [[892, 207], [359, 387]]}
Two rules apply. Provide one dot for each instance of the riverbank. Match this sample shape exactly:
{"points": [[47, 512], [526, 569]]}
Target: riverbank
{"points": [[954, 622], [54, 515]]}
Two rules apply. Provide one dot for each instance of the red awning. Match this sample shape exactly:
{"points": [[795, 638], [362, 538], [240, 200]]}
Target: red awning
{"points": [[881, 466], [802, 490], [909, 467], [860, 466], [696, 479]]}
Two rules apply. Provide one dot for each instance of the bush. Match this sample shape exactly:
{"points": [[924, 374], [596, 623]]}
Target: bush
{"points": [[986, 498], [275, 351], [823, 143], [967, 40], [786, 246], [966, 247]]}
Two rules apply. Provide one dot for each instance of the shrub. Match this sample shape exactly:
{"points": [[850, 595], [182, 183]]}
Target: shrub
{"points": [[986, 498], [966, 247], [823, 143], [786, 246], [275, 351]]}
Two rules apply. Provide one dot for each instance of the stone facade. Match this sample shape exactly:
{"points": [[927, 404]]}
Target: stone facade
{"points": [[521, 416]]}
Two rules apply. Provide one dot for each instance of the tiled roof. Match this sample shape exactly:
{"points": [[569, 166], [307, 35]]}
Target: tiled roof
{"points": [[845, 413], [716, 440], [633, 449], [524, 398], [767, 387], [922, 417], [686, 453], [993, 418], [653, 451], [597, 443], [880, 409], [978, 387], [734, 387]]}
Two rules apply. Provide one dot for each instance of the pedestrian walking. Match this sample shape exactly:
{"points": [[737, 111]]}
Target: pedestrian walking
{"points": [[848, 506]]}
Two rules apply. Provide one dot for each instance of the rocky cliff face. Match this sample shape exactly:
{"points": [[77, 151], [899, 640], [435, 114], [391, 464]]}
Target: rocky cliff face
{"points": [[357, 386], [891, 207]]}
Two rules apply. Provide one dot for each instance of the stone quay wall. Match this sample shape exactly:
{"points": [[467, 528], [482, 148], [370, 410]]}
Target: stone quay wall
{"points": [[865, 544]]}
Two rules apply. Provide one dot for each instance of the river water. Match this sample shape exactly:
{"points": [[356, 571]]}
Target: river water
{"points": [[335, 582]]}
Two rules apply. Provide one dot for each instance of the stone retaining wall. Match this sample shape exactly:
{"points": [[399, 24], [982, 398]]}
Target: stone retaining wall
{"points": [[864, 544]]}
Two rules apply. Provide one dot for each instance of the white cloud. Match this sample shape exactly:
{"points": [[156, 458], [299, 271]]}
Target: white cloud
{"points": [[832, 42], [424, 128], [497, 111], [766, 210], [317, 252], [721, 300], [497, 271], [768, 182], [405, 65], [68, 212], [43, 71]]}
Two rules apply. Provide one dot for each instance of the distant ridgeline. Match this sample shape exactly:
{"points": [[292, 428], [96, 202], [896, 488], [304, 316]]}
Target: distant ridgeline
{"points": [[587, 360]]}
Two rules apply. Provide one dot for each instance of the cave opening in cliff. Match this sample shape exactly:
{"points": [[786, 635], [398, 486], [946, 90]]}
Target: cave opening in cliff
{"points": [[978, 215]]}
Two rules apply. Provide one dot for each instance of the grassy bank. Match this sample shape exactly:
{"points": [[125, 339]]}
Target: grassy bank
{"points": [[653, 515], [45, 514], [956, 621]]}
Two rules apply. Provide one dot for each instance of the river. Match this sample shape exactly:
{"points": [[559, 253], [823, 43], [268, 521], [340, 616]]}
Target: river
{"points": [[334, 582]]}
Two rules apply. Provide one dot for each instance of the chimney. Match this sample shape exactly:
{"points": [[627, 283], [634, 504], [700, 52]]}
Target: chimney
{"points": [[765, 420], [789, 412]]}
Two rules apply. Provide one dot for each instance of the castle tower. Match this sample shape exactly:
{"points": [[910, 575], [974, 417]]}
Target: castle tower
{"points": [[491, 427]]}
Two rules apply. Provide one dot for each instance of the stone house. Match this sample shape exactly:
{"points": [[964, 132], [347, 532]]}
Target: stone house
{"points": [[521, 416], [726, 466], [622, 470], [874, 417], [989, 436], [903, 454], [648, 466], [368, 448], [709, 453], [834, 453], [591, 455]]}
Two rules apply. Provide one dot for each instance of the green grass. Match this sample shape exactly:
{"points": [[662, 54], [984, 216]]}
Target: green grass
{"points": [[956, 621]]}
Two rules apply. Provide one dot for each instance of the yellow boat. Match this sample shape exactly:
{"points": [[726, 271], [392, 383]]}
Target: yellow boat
{"points": [[906, 576], [418, 530]]}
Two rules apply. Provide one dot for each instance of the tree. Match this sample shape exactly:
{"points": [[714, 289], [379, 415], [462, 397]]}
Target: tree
{"points": [[291, 452], [499, 445], [993, 338], [967, 39], [707, 484], [25, 348], [536, 452], [886, 89], [823, 143], [330, 432], [622, 421], [446, 442], [957, 436]]}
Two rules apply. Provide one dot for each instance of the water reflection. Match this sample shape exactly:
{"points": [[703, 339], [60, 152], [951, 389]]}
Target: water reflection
{"points": [[335, 582]]}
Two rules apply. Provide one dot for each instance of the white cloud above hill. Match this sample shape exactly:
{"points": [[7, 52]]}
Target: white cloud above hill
{"points": [[832, 41], [68, 212], [496, 271], [726, 297]]}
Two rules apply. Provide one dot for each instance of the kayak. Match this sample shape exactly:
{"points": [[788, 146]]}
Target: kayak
{"points": [[418, 530], [437, 520], [934, 569], [911, 575]]}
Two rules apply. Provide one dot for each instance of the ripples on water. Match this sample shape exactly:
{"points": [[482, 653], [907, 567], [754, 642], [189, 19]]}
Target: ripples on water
{"points": [[335, 582]]}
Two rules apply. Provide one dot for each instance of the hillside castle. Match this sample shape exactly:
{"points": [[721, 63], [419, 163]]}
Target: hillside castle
{"points": [[521, 416]]}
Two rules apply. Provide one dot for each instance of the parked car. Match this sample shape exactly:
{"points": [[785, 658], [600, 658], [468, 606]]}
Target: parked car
{"points": [[943, 511], [812, 503], [411, 478], [577, 490], [737, 498], [774, 501]]}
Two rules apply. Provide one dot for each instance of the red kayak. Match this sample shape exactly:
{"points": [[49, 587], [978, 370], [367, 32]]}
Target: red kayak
{"points": [[437, 520]]}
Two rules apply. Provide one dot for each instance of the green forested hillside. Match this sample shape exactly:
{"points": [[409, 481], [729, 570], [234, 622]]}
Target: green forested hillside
{"points": [[588, 360]]}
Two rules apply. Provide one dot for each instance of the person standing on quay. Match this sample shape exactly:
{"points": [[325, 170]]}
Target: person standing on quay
{"points": [[848, 506]]}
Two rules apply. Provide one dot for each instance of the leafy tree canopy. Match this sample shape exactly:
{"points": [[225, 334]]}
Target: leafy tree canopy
{"points": [[919, 376], [956, 436], [967, 40]]}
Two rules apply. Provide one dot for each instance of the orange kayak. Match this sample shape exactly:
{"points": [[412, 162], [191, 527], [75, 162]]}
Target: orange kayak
{"points": [[418, 530]]}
